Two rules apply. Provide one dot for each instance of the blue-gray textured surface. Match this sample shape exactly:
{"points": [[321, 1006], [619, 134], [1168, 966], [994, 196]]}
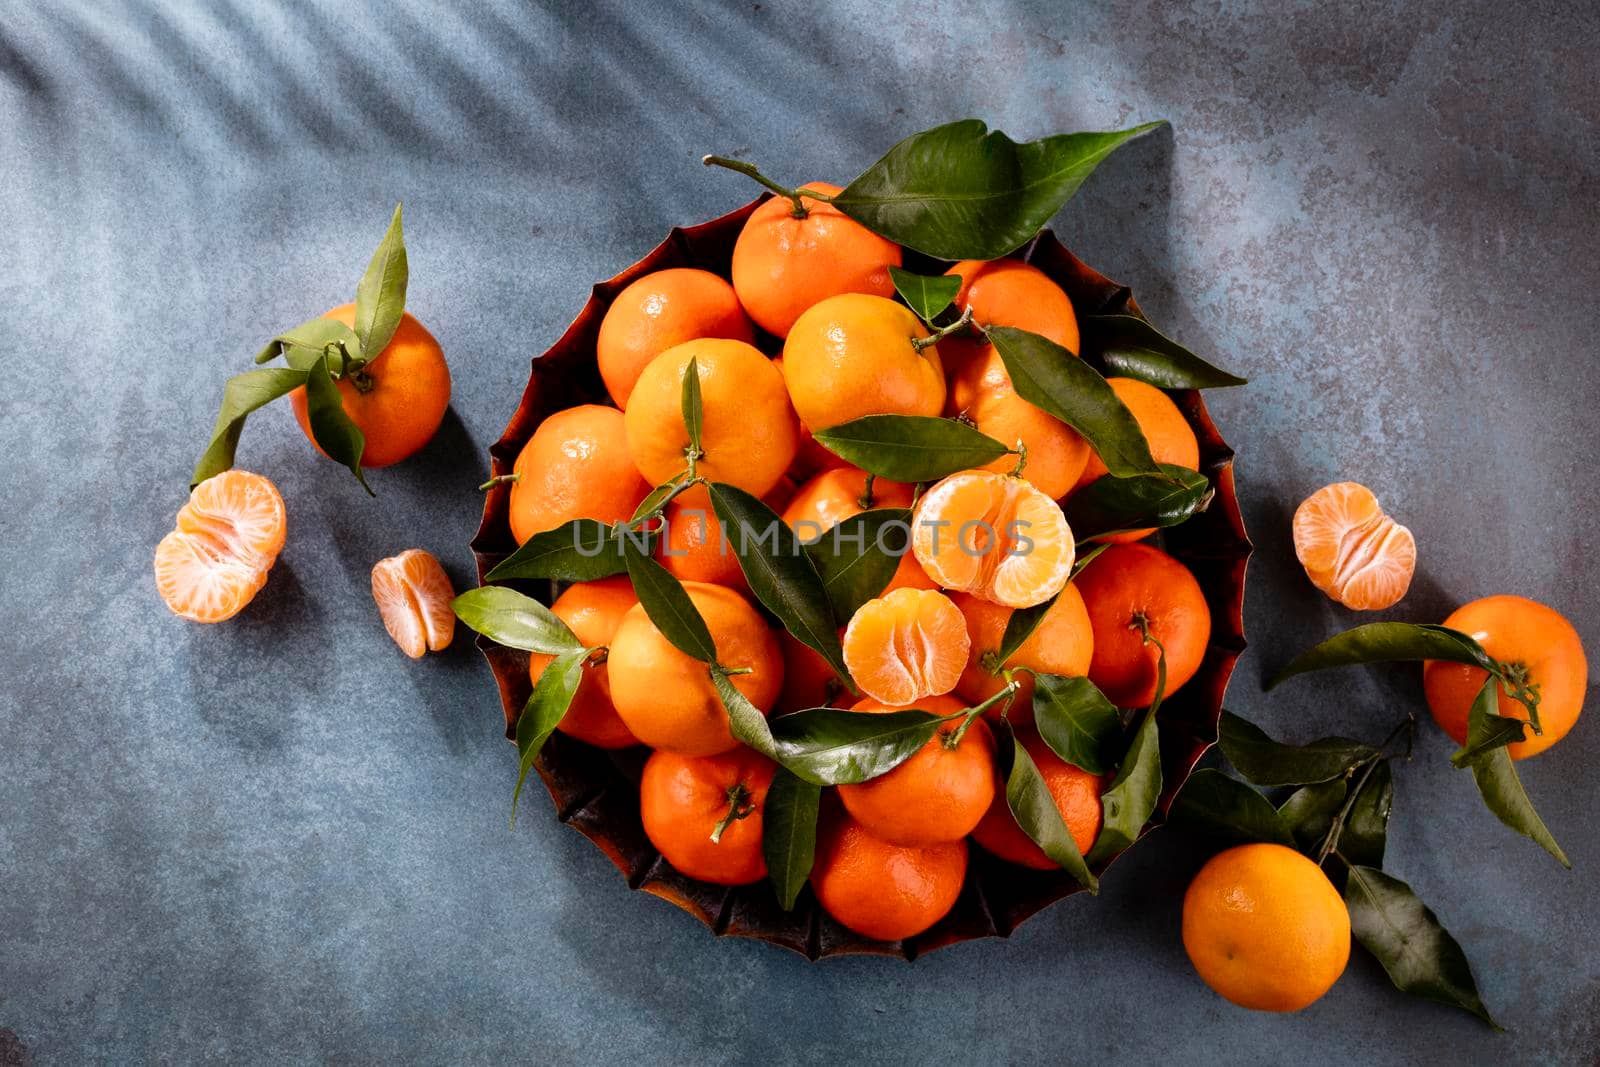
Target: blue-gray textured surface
{"points": [[279, 839]]}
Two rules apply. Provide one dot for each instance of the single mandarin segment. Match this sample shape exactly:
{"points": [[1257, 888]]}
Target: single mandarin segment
{"points": [[413, 594], [1169, 434], [1535, 642], [227, 537], [1062, 643], [1265, 928], [1351, 550], [695, 548], [748, 430], [661, 311], [666, 697], [1129, 583], [883, 891], [905, 646], [398, 399], [592, 611], [852, 356], [808, 681], [575, 466], [1076, 793], [937, 795], [783, 265], [994, 536], [704, 813]]}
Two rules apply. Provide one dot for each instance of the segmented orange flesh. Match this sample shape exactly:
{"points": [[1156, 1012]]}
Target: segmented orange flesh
{"points": [[413, 594], [907, 645], [1351, 550], [228, 536], [994, 536]]}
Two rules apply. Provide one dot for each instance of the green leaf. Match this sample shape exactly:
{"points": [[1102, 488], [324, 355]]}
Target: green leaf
{"points": [[1310, 810], [381, 295], [1019, 627], [1498, 782], [657, 498], [331, 428], [668, 605], [926, 296], [243, 394], [852, 561], [834, 746], [552, 695], [1075, 719], [1130, 801], [1035, 809], [745, 720], [1052, 378], [1418, 953], [1387, 642], [784, 579], [960, 191], [1224, 807], [1086, 556], [1267, 762], [1366, 827], [1138, 502], [789, 834], [910, 448], [581, 550], [312, 336], [514, 620], [689, 402], [1131, 347], [1489, 729]]}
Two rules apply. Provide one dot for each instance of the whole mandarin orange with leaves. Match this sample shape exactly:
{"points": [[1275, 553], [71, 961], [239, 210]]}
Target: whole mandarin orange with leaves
{"points": [[1009, 292], [1140, 600], [1169, 434], [660, 311], [857, 355], [593, 611], [705, 813], [575, 466], [1265, 928], [888, 892], [1076, 793], [1062, 643]]}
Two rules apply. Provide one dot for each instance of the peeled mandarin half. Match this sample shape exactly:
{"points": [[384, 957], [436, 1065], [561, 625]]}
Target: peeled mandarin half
{"points": [[228, 536], [1351, 550], [994, 536], [907, 645], [413, 595]]}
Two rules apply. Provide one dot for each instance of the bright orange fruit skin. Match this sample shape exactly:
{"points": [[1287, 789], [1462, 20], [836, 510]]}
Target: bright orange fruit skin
{"points": [[1077, 796], [1515, 630], [1123, 582], [409, 396], [660, 311], [1009, 292], [1062, 644], [575, 466], [783, 265], [1171, 439], [695, 548], [808, 681], [883, 891], [683, 798], [852, 355], [592, 611], [981, 390], [1265, 928]]}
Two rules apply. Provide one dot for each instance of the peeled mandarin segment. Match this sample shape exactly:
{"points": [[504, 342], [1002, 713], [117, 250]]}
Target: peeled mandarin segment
{"points": [[994, 536], [228, 536], [1351, 550], [240, 509], [201, 583], [906, 646], [413, 594], [1323, 520]]}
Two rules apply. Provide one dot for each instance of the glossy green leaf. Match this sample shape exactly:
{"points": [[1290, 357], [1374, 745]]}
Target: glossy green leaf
{"points": [[331, 428], [834, 746], [689, 402], [657, 498], [243, 394], [779, 571], [1052, 378], [1309, 811], [745, 721], [1224, 807], [1498, 781], [381, 294], [1132, 796], [1076, 720], [1138, 502], [1132, 348], [514, 620], [581, 550], [1387, 642], [789, 834], [1366, 827], [1035, 809], [962, 191], [1086, 556], [910, 448], [1418, 953], [312, 336], [1020, 626], [667, 604], [926, 295], [854, 558], [1267, 762], [552, 695], [1487, 729]]}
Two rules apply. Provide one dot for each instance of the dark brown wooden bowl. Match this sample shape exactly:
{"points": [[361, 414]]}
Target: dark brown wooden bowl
{"points": [[597, 792]]}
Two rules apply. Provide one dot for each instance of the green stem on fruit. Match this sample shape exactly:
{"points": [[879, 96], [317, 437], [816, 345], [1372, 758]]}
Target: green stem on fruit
{"points": [[740, 805], [865, 499], [1021, 452], [513, 477], [749, 170], [1514, 682], [967, 716], [919, 343]]}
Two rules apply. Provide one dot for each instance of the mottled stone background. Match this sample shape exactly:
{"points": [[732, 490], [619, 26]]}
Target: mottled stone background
{"points": [[279, 839]]}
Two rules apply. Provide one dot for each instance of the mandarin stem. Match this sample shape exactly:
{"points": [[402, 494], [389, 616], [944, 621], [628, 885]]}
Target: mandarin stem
{"points": [[919, 343], [749, 170], [498, 478], [737, 809]]}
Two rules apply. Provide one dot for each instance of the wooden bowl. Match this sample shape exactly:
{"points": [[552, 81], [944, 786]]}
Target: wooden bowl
{"points": [[597, 792]]}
